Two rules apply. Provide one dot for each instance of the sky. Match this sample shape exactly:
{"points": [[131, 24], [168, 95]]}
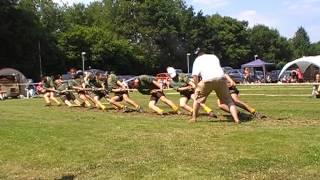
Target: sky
{"points": [[284, 15]]}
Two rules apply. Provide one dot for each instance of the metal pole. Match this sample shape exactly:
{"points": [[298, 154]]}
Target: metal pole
{"points": [[40, 59], [83, 59], [39, 45], [188, 60]]}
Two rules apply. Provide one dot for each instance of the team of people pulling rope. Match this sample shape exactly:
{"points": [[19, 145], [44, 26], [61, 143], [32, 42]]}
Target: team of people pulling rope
{"points": [[91, 88]]}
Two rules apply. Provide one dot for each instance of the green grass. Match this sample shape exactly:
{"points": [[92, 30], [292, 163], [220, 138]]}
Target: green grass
{"points": [[40, 142]]}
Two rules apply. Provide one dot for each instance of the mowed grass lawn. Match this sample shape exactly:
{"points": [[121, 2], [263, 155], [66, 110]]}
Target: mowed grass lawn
{"points": [[38, 142]]}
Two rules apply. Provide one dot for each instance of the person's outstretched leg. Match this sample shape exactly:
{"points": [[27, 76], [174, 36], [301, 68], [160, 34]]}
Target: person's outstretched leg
{"points": [[174, 107], [241, 104], [52, 97], [152, 105], [184, 105]]}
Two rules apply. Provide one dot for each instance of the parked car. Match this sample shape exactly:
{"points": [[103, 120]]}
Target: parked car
{"points": [[227, 68], [236, 75], [274, 75], [259, 76], [125, 77]]}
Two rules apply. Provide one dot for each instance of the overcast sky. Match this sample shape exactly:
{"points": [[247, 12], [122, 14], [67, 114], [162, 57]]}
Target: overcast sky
{"points": [[284, 15]]}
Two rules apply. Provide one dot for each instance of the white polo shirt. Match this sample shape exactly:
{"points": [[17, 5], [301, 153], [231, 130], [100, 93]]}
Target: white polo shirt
{"points": [[208, 67]]}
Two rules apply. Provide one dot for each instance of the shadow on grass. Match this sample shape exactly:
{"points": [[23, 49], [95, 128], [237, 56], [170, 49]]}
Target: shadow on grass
{"points": [[66, 177], [203, 117]]}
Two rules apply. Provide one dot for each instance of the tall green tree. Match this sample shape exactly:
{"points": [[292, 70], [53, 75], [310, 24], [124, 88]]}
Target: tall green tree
{"points": [[301, 43], [229, 39], [269, 45], [49, 18], [153, 25], [129, 36], [315, 49], [19, 32], [4, 4], [103, 51], [76, 15]]}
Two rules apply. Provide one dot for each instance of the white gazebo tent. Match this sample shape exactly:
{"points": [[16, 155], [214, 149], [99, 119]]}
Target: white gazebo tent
{"points": [[303, 63]]}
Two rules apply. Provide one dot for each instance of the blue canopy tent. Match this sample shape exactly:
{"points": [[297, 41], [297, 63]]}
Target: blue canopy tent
{"points": [[258, 63]]}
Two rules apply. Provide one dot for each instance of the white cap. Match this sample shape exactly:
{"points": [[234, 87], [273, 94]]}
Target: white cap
{"points": [[171, 71]]}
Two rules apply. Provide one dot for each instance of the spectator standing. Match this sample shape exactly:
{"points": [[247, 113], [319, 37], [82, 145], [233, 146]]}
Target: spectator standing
{"points": [[299, 75], [294, 76], [247, 75]]}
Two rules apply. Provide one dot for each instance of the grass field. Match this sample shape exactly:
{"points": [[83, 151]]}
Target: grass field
{"points": [[40, 142]]}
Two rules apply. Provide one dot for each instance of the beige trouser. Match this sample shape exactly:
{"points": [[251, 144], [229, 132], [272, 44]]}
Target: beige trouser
{"points": [[204, 88]]}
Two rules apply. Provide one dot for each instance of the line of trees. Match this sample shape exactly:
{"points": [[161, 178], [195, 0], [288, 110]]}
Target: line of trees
{"points": [[132, 37]]}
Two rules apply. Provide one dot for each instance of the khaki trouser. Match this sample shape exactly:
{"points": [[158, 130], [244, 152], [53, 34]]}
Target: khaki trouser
{"points": [[204, 88]]}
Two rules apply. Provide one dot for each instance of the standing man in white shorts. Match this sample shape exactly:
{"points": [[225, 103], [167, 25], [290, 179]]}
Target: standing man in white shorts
{"points": [[208, 67]]}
